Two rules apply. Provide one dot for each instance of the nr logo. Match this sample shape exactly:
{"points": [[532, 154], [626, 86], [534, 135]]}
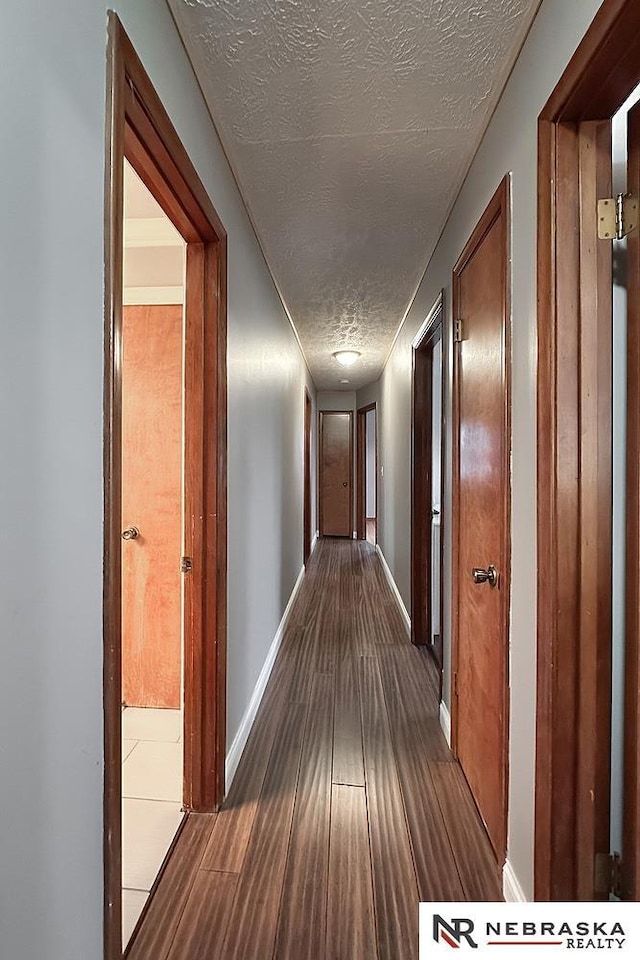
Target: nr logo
{"points": [[454, 931]]}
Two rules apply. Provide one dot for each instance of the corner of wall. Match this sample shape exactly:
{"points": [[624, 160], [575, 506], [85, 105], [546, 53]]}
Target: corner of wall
{"points": [[240, 740], [394, 589], [511, 887]]}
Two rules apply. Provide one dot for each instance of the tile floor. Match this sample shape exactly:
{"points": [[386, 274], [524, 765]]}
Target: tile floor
{"points": [[151, 802]]}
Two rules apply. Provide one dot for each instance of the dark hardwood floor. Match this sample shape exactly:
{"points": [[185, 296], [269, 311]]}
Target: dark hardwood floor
{"points": [[347, 807]]}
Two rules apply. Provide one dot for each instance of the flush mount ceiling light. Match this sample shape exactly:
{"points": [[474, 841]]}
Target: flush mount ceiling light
{"points": [[344, 381], [347, 357]]}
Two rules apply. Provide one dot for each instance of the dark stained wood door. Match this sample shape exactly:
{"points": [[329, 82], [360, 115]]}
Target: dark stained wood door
{"points": [[152, 504], [631, 838], [481, 510], [336, 470], [306, 519], [426, 484]]}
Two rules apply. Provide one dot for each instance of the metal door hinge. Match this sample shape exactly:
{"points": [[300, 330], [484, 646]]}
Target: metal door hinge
{"points": [[458, 331], [617, 216], [186, 565], [608, 874]]}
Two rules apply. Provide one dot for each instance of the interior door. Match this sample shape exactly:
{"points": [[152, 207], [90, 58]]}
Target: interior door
{"points": [[435, 585], [306, 520], [631, 788], [151, 505], [336, 469], [481, 488], [426, 508]]}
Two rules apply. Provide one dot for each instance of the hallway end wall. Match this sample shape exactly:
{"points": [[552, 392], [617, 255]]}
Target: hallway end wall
{"points": [[51, 368], [510, 144]]}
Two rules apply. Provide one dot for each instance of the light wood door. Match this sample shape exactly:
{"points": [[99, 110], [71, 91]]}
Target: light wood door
{"points": [[152, 503], [481, 487], [336, 468]]}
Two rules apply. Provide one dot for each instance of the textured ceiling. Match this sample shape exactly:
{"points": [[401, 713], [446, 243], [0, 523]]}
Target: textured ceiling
{"points": [[350, 125]]}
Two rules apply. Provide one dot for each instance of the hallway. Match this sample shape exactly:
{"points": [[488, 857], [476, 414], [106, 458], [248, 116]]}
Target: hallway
{"points": [[347, 807]]}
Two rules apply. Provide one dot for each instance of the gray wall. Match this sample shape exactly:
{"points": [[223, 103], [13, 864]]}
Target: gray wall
{"points": [[52, 76], [510, 145]]}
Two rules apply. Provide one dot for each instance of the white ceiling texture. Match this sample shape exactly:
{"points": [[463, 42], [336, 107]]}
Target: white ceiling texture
{"points": [[350, 125]]}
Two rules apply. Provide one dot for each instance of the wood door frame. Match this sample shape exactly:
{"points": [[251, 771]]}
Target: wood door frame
{"points": [[306, 509], [430, 333], [138, 128], [361, 471], [574, 456], [321, 413], [499, 205]]}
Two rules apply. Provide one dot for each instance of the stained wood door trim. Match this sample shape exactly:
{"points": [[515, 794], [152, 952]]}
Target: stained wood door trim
{"points": [[321, 414], [138, 128], [361, 472], [499, 206], [421, 477], [574, 427]]}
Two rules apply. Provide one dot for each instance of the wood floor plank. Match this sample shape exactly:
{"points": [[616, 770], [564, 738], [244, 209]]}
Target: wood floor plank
{"points": [[417, 741], [254, 917], [477, 866], [200, 933], [348, 756], [303, 909], [157, 930], [394, 879], [298, 867], [411, 702], [351, 930], [230, 835]]}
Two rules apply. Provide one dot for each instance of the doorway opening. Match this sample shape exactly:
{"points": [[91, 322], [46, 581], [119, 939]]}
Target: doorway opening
{"points": [[306, 520], [165, 479], [367, 474], [587, 844], [152, 513], [427, 530]]}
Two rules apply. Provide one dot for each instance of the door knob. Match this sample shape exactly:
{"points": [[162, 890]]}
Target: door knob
{"points": [[130, 533], [490, 575], [345, 484]]}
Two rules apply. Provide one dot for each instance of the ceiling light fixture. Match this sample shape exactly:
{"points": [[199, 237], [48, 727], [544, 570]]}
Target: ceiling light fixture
{"points": [[344, 381], [347, 357]]}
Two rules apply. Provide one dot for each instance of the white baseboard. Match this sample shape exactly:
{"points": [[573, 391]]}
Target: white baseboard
{"points": [[241, 737], [394, 589], [313, 542], [511, 889], [445, 722]]}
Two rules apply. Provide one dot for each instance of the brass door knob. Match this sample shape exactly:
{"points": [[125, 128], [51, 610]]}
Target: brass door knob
{"points": [[490, 575], [130, 533], [345, 484]]}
